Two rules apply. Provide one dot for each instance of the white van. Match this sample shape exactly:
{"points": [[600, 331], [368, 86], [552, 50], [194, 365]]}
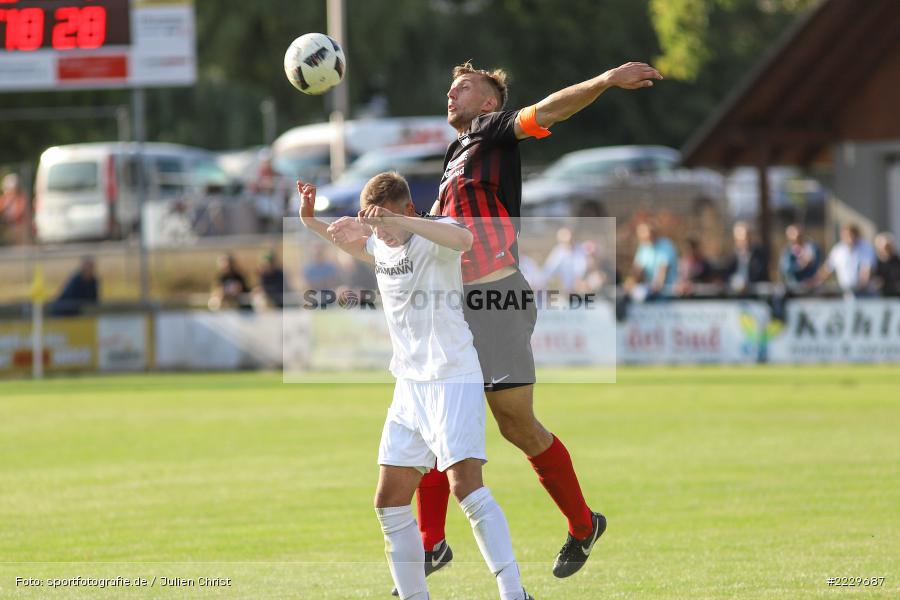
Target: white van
{"points": [[89, 191]]}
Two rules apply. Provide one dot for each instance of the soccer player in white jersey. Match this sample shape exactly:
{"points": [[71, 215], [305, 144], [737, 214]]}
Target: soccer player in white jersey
{"points": [[437, 417]]}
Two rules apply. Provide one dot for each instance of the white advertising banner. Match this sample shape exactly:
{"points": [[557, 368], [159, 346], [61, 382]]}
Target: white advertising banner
{"points": [[852, 330], [197, 340], [354, 339], [585, 336], [358, 339], [693, 332], [122, 342]]}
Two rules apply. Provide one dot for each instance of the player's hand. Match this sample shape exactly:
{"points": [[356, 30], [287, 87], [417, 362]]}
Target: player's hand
{"points": [[633, 75], [374, 215], [307, 193], [347, 229]]}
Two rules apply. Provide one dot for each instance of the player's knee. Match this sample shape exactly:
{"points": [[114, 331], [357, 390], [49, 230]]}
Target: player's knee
{"points": [[518, 431], [461, 489], [531, 438], [465, 478], [387, 499]]}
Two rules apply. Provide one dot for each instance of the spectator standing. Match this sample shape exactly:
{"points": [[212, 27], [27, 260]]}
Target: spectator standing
{"points": [[800, 259], [270, 291], [531, 271], [565, 261], [596, 272], [13, 211], [654, 270], [748, 265], [230, 289], [320, 272], [82, 289], [355, 275], [693, 268], [852, 260], [887, 269]]}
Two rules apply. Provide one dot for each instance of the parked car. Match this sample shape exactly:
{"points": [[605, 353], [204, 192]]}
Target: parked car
{"points": [[615, 181], [269, 183], [306, 151], [421, 165], [792, 195], [90, 191]]}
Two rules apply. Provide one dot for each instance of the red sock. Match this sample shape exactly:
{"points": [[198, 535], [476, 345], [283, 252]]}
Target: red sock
{"points": [[431, 504], [556, 473]]}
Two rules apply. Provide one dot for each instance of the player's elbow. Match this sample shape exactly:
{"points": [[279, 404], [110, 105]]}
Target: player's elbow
{"points": [[465, 240]]}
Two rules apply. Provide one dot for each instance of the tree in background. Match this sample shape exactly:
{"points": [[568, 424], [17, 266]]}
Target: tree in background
{"points": [[400, 53], [693, 32]]}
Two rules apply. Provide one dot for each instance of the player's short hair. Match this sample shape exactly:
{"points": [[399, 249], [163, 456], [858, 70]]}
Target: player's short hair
{"points": [[496, 79], [385, 187]]}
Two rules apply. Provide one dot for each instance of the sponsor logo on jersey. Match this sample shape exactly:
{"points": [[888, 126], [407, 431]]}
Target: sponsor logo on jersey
{"points": [[454, 168], [404, 267]]}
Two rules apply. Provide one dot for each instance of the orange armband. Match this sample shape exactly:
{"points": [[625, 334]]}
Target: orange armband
{"points": [[527, 120]]}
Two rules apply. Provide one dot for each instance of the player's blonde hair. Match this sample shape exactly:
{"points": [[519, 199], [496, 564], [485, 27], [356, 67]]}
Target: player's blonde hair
{"points": [[385, 187], [496, 79]]}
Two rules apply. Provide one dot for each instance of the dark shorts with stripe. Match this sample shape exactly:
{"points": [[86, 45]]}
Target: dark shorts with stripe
{"points": [[501, 315]]}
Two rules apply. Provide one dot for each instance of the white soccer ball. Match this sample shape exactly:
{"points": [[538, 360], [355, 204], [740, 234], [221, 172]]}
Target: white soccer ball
{"points": [[314, 63]]}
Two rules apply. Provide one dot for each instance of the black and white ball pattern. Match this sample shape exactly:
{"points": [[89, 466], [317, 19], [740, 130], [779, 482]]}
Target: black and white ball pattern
{"points": [[314, 63]]}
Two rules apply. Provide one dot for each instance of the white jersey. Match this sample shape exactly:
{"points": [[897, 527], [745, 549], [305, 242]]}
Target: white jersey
{"points": [[422, 294]]}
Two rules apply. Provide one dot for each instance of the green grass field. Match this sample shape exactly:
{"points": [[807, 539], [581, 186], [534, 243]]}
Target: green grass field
{"points": [[718, 483]]}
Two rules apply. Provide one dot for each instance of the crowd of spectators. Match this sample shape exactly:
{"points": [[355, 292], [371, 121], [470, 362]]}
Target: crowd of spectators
{"points": [[659, 271], [858, 267], [322, 270], [571, 267], [231, 289]]}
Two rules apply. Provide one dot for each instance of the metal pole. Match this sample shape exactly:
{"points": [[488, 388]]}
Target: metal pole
{"points": [[37, 316], [123, 123], [37, 340], [765, 212], [139, 115], [341, 100], [270, 124]]}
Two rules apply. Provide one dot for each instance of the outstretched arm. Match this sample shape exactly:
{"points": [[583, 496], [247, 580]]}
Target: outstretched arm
{"points": [[561, 105], [352, 245], [447, 235]]}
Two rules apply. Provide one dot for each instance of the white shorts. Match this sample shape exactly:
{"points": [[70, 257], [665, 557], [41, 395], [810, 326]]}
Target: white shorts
{"points": [[434, 421]]}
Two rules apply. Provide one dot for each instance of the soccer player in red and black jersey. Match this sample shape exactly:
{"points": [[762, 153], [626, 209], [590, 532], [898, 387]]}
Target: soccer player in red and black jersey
{"points": [[482, 187]]}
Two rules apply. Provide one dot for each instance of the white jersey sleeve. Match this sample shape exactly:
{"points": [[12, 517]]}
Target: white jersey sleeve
{"points": [[443, 252]]}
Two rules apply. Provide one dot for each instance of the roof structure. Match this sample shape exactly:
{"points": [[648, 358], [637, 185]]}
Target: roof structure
{"points": [[835, 75]]}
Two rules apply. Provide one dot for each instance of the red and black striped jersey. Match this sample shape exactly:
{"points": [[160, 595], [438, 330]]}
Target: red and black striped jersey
{"points": [[482, 188]]}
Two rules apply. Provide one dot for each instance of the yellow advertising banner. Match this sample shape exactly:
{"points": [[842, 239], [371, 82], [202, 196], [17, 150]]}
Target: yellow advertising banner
{"points": [[69, 345]]}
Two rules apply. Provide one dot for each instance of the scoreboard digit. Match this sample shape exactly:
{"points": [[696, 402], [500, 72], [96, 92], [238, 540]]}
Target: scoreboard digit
{"points": [[96, 44], [30, 25]]}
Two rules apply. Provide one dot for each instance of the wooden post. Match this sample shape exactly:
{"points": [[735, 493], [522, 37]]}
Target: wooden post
{"points": [[765, 216]]}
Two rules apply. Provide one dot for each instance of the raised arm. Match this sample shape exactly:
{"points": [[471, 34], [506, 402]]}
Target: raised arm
{"points": [[561, 105], [353, 245], [448, 235]]}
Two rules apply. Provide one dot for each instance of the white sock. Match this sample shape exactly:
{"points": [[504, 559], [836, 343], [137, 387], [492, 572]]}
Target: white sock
{"points": [[492, 534], [403, 548]]}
